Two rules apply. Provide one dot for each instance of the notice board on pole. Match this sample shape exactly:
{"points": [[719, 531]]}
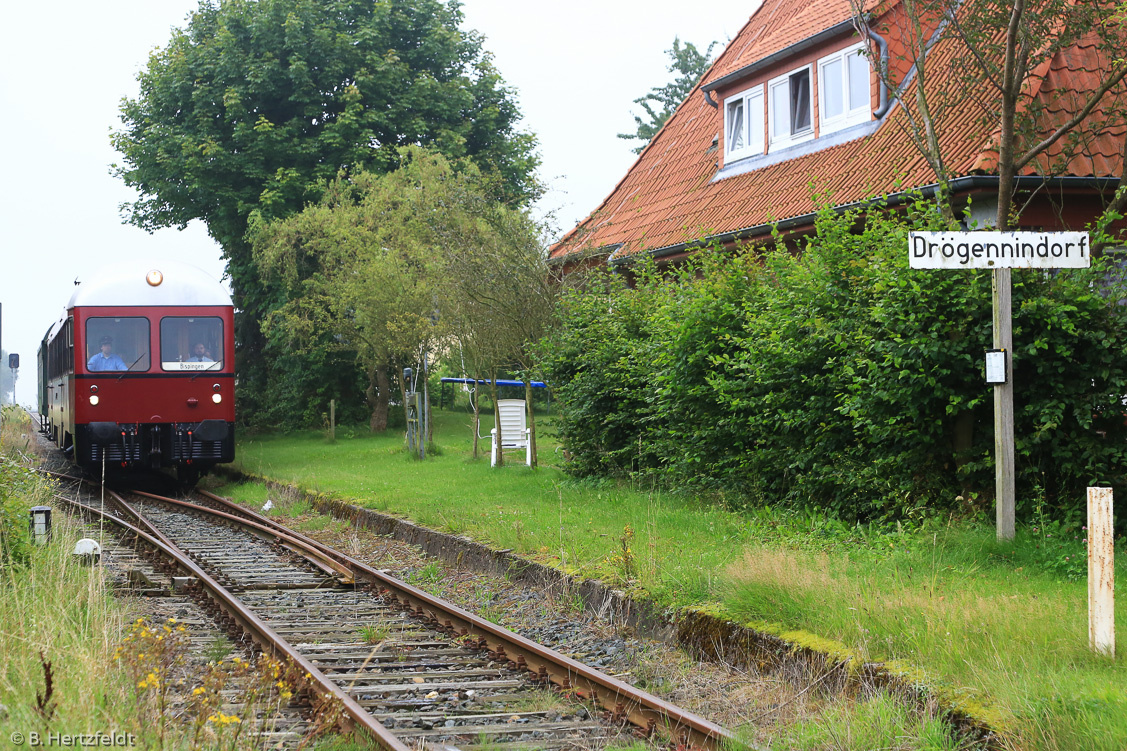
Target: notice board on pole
{"points": [[999, 250]]}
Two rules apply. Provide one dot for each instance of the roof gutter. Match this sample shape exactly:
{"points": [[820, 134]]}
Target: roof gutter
{"points": [[767, 62], [584, 255], [958, 185]]}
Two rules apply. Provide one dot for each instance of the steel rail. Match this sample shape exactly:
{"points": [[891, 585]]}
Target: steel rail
{"points": [[263, 634], [625, 702], [296, 542]]}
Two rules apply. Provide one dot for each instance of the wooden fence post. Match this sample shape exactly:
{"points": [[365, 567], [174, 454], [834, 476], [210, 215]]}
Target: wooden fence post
{"points": [[1101, 573]]}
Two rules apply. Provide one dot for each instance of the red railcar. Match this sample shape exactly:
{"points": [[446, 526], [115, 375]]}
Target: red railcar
{"points": [[139, 371]]}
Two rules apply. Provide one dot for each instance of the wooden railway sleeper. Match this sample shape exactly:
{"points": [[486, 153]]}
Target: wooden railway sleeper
{"points": [[419, 603]]}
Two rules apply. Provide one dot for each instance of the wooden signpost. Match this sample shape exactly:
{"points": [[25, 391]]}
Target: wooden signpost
{"points": [[1000, 252]]}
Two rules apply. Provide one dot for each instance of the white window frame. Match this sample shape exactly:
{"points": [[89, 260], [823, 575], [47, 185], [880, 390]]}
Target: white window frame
{"points": [[752, 100], [852, 113], [788, 138]]}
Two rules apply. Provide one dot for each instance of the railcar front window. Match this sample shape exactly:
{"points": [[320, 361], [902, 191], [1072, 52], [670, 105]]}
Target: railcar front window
{"points": [[194, 343], [117, 344]]}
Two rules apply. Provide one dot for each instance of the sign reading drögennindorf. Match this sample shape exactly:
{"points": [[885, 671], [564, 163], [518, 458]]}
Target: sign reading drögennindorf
{"points": [[998, 250]]}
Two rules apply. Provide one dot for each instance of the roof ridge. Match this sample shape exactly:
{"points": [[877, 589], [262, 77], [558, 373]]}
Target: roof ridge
{"points": [[664, 126]]}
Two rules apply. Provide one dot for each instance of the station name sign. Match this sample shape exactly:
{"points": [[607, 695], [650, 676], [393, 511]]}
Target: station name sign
{"points": [[998, 250]]}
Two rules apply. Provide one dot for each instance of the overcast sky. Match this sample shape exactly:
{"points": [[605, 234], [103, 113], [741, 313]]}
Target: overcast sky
{"points": [[65, 66]]}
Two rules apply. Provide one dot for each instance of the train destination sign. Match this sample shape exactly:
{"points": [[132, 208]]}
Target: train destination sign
{"points": [[998, 250]]}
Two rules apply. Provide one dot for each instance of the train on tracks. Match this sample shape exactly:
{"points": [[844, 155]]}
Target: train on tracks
{"points": [[139, 371]]}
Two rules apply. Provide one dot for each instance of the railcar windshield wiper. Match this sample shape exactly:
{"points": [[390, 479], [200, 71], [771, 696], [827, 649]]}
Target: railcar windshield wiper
{"points": [[132, 364]]}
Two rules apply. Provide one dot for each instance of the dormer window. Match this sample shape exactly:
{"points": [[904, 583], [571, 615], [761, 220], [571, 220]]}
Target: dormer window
{"points": [[843, 89], [743, 124], [789, 111]]}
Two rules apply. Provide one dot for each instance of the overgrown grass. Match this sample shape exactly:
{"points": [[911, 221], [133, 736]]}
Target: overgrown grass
{"points": [[1004, 642], [53, 611], [75, 661], [997, 629], [881, 722]]}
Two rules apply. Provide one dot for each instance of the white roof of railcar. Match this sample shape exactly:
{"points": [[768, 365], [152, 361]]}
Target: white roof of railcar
{"points": [[126, 283]]}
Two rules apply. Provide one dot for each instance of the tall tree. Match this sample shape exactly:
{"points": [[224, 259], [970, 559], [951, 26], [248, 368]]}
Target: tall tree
{"points": [[501, 298], [1005, 55], [256, 104], [662, 101], [371, 264], [1003, 52]]}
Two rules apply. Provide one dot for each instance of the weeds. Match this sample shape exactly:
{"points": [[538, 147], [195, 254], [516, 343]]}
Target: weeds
{"points": [[44, 702], [431, 573], [880, 722], [315, 524], [155, 659], [625, 556], [217, 649], [374, 634]]}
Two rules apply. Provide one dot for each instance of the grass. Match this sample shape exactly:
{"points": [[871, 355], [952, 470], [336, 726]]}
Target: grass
{"points": [[53, 611], [999, 630], [374, 633], [75, 660], [1002, 641], [879, 722], [431, 573], [62, 611], [537, 513]]}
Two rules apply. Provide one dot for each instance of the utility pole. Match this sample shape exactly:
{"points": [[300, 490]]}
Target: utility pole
{"points": [[1004, 408], [1000, 252]]}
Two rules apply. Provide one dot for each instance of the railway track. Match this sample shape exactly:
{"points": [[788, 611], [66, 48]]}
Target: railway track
{"points": [[205, 642], [404, 667]]}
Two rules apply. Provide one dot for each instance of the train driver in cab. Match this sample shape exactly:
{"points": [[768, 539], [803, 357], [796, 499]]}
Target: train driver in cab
{"points": [[106, 359], [199, 353]]}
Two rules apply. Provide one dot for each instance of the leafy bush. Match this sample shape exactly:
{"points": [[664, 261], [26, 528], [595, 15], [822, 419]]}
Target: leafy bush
{"points": [[15, 484], [827, 374]]}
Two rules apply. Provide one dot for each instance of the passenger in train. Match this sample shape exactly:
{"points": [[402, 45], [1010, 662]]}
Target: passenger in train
{"points": [[106, 359], [200, 353]]}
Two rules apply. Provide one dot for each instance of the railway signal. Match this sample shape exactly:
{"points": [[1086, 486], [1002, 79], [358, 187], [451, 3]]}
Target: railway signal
{"points": [[14, 364]]}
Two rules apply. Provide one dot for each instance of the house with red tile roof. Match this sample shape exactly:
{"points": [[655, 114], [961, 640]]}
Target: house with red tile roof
{"points": [[793, 113]]}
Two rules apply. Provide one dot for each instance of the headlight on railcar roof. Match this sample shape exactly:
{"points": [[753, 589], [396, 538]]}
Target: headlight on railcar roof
{"points": [[217, 398], [94, 400], [154, 278]]}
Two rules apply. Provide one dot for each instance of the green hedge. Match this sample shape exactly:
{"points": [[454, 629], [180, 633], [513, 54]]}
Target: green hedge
{"points": [[832, 376]]}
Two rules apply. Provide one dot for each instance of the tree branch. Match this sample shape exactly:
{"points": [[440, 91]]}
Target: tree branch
{"points": [[1075, 120]]}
